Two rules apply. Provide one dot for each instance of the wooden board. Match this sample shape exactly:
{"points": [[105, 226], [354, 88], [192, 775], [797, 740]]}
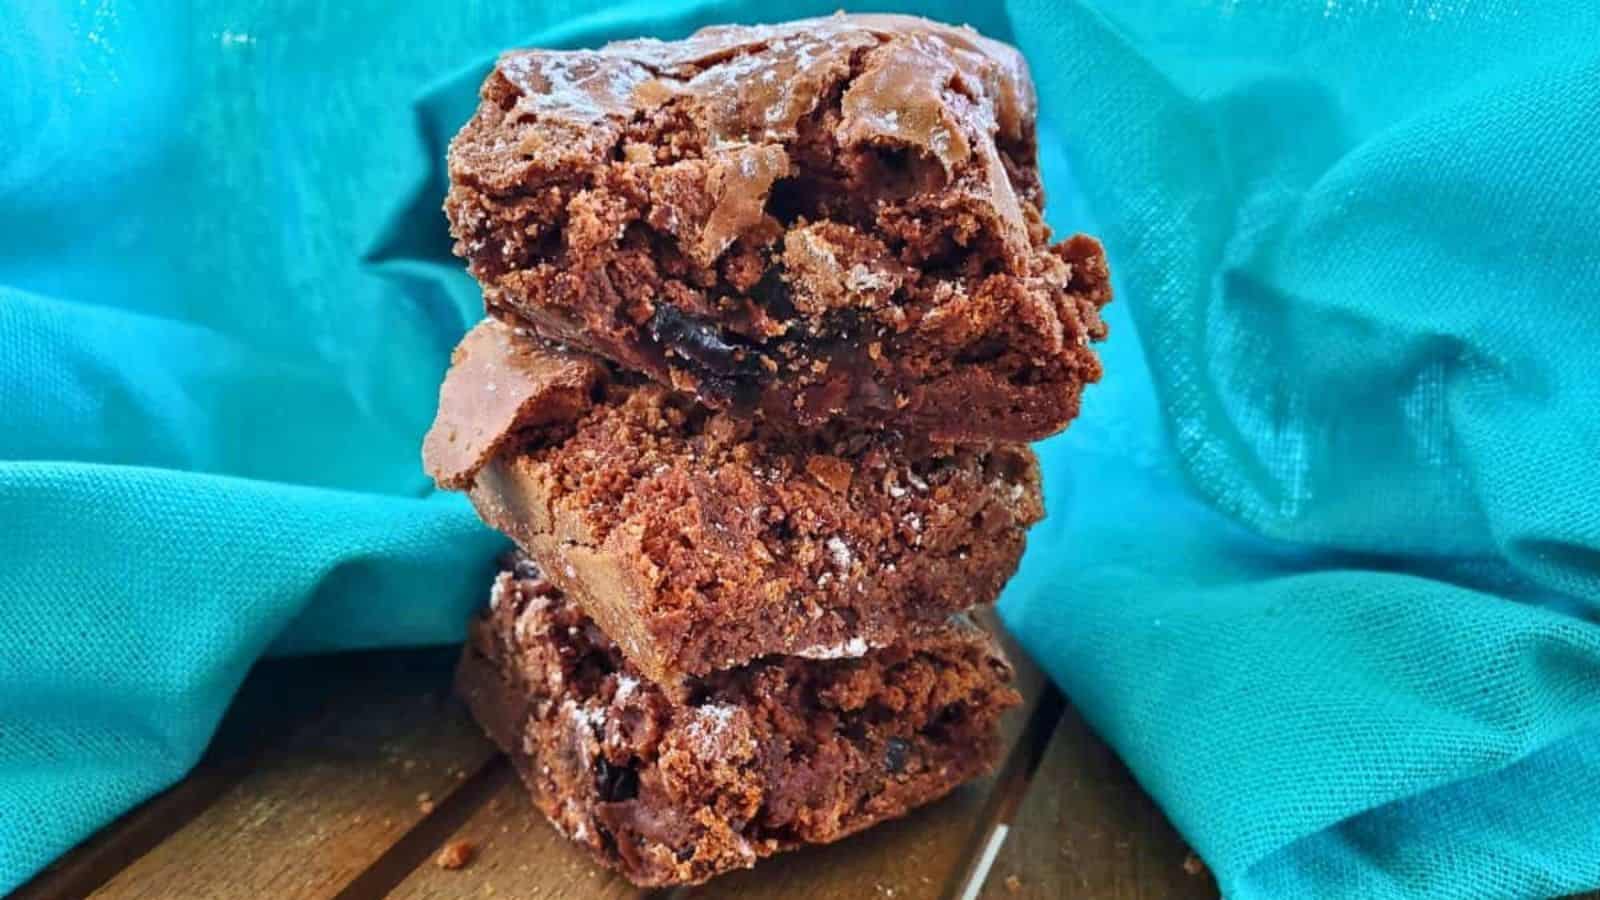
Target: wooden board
{"points": [[1084, 829], [516, 854], [343, 777], [319, 809]]}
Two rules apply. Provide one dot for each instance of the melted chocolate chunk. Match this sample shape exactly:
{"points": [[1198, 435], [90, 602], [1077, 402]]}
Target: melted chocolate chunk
{"points": [[772, 292], [739, 395], [700, 342], [895, 755], [615, 783]]}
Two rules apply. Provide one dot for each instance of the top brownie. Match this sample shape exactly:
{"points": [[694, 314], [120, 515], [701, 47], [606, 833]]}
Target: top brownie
{"points": [[828, 220]]}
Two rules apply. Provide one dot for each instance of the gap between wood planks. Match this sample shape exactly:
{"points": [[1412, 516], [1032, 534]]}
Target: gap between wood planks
{"points": [[419, 845], [1012, 785]]}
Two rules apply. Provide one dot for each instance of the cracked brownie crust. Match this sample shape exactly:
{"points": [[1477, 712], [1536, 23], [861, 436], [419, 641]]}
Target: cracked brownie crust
{"points": [[699, 540], [759, 759], [834, 219]]}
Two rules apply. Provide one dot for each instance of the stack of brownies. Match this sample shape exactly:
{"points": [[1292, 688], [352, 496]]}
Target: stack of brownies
{"points": [[772, 313]]}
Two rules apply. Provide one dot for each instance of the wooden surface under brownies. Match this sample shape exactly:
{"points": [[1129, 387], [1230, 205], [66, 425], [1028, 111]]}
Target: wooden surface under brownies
{"points": [[343, 777]]}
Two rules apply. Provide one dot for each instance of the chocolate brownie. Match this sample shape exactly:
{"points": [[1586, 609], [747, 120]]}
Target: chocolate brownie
{"points": [[762, 758], [830, 219], [699, 540]]}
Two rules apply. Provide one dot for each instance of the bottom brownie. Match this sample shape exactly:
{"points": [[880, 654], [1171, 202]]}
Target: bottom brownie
{"points": [[781, 752]]}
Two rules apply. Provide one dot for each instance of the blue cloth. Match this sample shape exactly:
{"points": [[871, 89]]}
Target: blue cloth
{"points": [[1323, 554]]}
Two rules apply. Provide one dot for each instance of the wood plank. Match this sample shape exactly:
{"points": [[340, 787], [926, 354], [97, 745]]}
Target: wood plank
{"points": [[325, 803], [516, 855], [276, 696], [1086, 829]]}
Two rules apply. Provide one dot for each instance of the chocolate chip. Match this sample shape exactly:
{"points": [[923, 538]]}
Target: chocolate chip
{"points": [[895, 755], [615, 783], [791, 198], [740, 395], [894, 159], [772, 292], [699, 341]]}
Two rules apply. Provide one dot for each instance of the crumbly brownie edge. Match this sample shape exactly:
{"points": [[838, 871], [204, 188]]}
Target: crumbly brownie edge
{"points": [[700, 541], [689, 572], [694, 805]]}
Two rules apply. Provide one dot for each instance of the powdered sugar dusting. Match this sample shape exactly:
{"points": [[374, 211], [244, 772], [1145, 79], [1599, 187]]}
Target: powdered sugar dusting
{"points": [[708, 728], [718, 713], [863, 280], [855, 647], [579, 85], [573, 821], [746, 851], [591, 717], [626, 685], [840, 551]]}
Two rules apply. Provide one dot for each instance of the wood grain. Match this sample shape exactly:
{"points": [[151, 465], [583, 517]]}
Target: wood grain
{"points": [[517, 855], [1086, 829], [276, 698], [319, 808]]}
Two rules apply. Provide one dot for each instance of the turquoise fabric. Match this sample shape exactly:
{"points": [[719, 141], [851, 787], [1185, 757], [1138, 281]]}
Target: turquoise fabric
{"points": [[1323, 554]]}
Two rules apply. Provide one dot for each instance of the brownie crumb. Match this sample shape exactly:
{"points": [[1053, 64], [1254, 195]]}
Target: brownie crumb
{"points": [[455, 854]]}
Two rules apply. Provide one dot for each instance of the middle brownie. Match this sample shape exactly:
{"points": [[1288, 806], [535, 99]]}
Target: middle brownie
{"points": [[700, 541]]}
